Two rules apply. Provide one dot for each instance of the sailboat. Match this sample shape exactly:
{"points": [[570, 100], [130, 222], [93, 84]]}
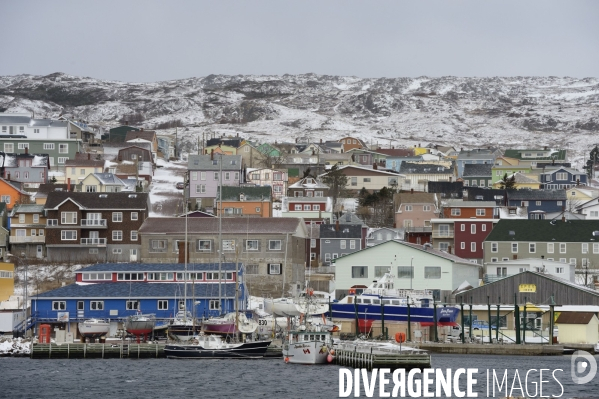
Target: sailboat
{"points": [[183, 327], [140, 325]]}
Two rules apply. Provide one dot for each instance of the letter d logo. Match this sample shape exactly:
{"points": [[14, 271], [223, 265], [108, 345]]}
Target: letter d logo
{"points": [[580, 363]]}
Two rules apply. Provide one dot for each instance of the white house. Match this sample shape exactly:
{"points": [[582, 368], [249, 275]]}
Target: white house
{"points": [[414, 266], [498, 270]]}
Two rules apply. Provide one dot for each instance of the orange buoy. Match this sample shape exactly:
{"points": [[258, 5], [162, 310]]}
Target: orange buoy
{"points": [[332, 352], [352, 291], [400, 337], [287, 360]]}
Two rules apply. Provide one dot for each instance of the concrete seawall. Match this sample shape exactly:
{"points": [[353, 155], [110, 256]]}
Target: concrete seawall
{"points": [[493, 349]]}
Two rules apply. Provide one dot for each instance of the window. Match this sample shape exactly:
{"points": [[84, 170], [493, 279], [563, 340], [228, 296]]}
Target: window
{"points": [[514, 247], [359, 271], [573, 262], [22, 218], [48, 146], [483, 227], [274, 245], [408, 208], [68, 235], [561, 176], [215, 175], [367, 180], [96, 305], [228, 245], [532, 247], [462, 245], [62, 160], [472, 247], [68, 217], [227, 175], [562, 247], [494, 247], [132, 305], [117, 216], [214, 304], [59, 305], [594, 214], [585, 247], [462, 227], [315, 207], [352, 244], [493, 259], [480, 212], [162, 304], [204, 246], [252, 245], [91, 189], [202, 176], [298, 207], [157, 245], [117, 235], [596, 247], [472, 229], [426, 208], [354, 181], [444, 246], [559, 270], [307, 207], [134, 215], [130, 276], [432, 272], [22, 146], [200, 188], [5, 199], [63, 149], [9, 147], [342, 244], [379, 271], [236, 176], [274, 268], [456, 212], [405, 272]]}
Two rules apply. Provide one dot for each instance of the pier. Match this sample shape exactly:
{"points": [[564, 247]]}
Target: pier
{"points": [[97, 351], [370, 355], [492, 349]]}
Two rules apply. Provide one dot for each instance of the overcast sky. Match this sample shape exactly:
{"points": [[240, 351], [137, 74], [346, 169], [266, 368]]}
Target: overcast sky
{"points": [[151, 40]]}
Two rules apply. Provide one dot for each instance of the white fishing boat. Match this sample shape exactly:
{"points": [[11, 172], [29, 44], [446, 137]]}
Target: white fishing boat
{"points": [[94, 328]]}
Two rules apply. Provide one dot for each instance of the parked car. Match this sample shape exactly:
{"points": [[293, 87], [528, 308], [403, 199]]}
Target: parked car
{"points": [[180, 185]]}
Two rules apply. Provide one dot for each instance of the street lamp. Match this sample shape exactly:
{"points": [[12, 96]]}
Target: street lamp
{"points": [[26, 291]]}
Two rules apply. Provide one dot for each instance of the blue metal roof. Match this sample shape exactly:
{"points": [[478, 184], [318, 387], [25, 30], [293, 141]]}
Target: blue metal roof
{"points": [[138, 291], [157, 267]]}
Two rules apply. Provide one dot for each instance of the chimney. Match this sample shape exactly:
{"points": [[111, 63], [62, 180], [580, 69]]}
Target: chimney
{"points": [[126, 122], [212, 154], [411, 191], [89, 155], [542, 256], [563, 218], [394, 225], [374, 166], [69, 184], [26, 150], [237, 134], [337, 225], [449, 249], [8, 176], [320, 141]]}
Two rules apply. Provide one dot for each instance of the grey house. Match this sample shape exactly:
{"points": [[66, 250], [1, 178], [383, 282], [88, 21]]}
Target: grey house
{"points": [[478, 175], [338, 239], [274, 250]]}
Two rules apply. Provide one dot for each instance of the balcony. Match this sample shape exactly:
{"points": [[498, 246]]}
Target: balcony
{"points": [[93, 223], [93, 241], [442, 234], [491, 278], [27, 239]]}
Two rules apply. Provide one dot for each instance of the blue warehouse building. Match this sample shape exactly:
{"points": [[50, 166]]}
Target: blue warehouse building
{"points": [[116, 291]]}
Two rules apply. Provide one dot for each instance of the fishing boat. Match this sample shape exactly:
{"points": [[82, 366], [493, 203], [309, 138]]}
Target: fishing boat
{"points": [[94, 328], [183, 327], [381, 299], [308, 343], [140, 325], [215, 347]]}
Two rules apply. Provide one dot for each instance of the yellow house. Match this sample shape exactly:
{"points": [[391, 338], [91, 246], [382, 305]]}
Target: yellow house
{"points": [[577, 328], [7, 280], [522, 181], [420, 150], [580, 195], [79, 169], [221, 149]]}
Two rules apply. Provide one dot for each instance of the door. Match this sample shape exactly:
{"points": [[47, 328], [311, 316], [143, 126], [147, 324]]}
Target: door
{"points": [[94, 237], [40, 251], [80, 309], [133, 255]]}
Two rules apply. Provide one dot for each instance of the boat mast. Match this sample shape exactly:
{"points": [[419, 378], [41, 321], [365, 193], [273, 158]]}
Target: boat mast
{"points": [[220, 230], [185, 248]]}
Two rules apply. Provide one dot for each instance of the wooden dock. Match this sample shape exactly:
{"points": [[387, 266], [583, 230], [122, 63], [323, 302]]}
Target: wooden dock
{"points": [[492, 349], [97, 351], [370, 355]]}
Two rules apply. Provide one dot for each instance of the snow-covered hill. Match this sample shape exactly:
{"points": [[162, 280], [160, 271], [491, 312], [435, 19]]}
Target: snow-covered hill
{"points": [[517, 111]]}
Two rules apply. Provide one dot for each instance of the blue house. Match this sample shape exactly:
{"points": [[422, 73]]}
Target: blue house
{"points": [[538, 202], [115, 291], [563, 178]]}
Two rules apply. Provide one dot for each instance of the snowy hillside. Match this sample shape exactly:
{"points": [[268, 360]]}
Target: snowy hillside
{"points": [[465, 112]]}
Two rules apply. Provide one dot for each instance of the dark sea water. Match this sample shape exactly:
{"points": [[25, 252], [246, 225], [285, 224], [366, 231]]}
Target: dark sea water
{"points": [[266, 378]]}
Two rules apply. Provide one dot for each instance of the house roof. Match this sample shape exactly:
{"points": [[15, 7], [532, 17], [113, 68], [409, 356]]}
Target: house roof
{"points": [[341, 231], [232, 193], [460, 203], [108, 178], [155, 267], [521, 178], [149, 135], [137, 201], [26, 208], [415, 198], [396, 152], [15, 185], [565, 169], [137, 290], [45, 188], [424, 168], [477, 153], [538, 195], [371, 170], [8, 118], [575, 317], [11, 160], [309, 182], [233, 225], [517, 154], [545, 230], [477, 170], [86, 163], [204, 162]]}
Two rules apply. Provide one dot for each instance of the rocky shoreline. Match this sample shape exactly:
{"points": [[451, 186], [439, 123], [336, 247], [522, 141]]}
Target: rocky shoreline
{"points": [[15, 347]]}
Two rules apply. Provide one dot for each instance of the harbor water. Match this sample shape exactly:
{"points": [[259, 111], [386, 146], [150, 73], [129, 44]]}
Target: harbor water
{"points": [[263, 378]]}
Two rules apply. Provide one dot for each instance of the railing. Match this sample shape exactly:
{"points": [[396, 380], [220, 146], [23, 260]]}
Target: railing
{"points": [[443, 234], [93, 222], [321, 270], [93, 241], [21, 239], [490, 278]]}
